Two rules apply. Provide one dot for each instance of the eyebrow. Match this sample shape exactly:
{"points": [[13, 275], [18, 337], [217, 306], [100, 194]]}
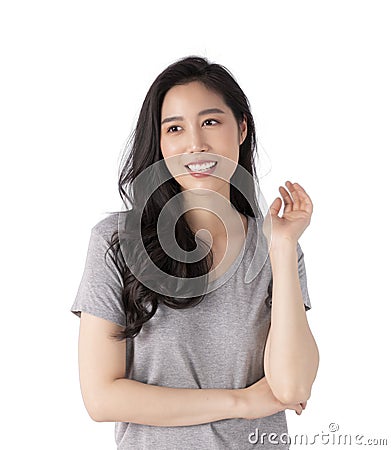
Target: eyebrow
{"points": [[201, 113]]}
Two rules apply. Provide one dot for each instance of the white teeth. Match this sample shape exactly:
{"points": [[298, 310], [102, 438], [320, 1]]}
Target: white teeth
{"points": [[201, 167]]}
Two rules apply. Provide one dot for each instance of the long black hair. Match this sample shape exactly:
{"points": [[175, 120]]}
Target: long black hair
{"points": [[143, 150]]}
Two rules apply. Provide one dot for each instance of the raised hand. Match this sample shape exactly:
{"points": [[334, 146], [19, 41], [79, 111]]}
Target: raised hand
{"points": [[296, 217]]}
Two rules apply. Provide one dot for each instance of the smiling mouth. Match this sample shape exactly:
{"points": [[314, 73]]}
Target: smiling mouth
{"points": [[200, 168]]}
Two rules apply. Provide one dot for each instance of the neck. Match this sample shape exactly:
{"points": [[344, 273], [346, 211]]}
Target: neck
{"points": [[214, 213]]}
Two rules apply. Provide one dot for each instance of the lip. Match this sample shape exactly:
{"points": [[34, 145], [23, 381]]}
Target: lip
{"points": [[201, 161], [201, 174]]}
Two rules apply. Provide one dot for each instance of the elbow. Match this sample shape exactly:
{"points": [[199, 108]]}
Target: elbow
{"points": [[95, 417], [293, 396], [94, 408], [100, 405], [95, 412]]}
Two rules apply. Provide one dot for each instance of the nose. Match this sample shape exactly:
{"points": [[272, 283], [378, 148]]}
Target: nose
{"points": [[196, 141]]}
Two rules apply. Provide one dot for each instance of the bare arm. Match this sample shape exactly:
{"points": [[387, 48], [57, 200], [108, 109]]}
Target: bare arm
{"points": [[110, 397], [291, 354], [163, 406]]}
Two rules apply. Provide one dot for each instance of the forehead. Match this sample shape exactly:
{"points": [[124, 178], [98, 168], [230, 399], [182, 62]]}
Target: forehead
{"points": [[192, 96]]}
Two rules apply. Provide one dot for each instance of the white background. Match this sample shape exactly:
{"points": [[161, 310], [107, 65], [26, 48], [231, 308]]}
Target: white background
{"points": [[73, 77]]}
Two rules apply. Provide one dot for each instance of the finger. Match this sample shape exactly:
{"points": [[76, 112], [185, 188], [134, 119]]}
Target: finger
{"points": [[287, 199], [305, 198], [300, 187], [304, 404], [275, 207], [298, 409], [295, 195]]}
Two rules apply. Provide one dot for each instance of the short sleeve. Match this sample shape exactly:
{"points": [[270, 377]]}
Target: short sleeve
{"points": [[302, 280], [101, 286]]}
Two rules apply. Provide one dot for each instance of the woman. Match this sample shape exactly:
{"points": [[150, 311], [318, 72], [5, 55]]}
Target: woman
{"points": [[178, 344]]}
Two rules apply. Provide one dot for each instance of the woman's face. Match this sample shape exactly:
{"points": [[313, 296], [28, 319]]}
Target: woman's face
{"points": [[198, 126]]}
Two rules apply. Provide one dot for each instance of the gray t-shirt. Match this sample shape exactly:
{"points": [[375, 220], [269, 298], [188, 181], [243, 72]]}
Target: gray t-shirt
{"points": [[217, 344]]}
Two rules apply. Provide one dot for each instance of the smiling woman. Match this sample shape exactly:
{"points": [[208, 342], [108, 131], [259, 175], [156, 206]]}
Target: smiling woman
{"points": [[173, 366], [211, 131]]}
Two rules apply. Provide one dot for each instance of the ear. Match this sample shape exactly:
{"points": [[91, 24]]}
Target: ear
{"points": [[243, 130]]}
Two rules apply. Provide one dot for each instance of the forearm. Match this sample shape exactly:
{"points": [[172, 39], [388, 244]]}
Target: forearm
{"points": [[126, 400], [292, 352]]}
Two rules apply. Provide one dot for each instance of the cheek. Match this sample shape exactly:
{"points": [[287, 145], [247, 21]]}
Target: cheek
{"points": [[230, 143], [172, 157], [230, 135], [168, 148]]}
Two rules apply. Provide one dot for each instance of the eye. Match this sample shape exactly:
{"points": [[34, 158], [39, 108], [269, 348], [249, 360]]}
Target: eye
{"points": [[211, 120], [172, 129]]}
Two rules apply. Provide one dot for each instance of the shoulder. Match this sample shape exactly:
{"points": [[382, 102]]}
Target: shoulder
{"points": [[106, 226]]}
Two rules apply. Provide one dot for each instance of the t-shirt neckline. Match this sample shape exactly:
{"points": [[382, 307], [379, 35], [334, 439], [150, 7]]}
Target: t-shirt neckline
{"points": [[234, 266]]}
